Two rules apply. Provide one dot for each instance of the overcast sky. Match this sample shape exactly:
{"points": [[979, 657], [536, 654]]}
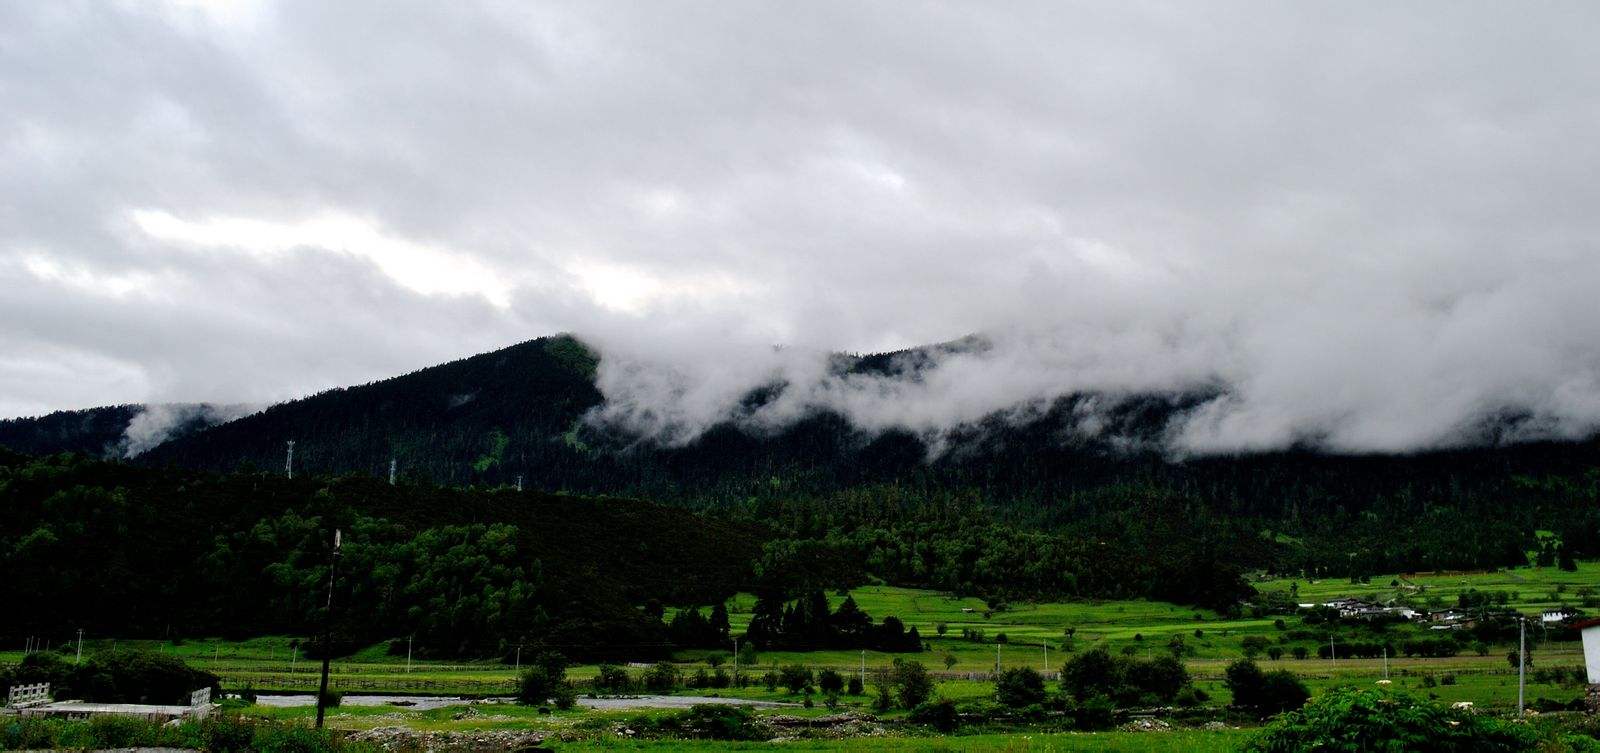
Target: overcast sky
{"points": [[1373, 224]]}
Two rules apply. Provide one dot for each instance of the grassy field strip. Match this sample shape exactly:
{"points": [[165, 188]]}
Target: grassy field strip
{"points": [[1140, 626]]}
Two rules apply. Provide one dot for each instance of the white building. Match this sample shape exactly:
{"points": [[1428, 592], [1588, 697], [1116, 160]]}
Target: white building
{"points": [[1560, 614]]}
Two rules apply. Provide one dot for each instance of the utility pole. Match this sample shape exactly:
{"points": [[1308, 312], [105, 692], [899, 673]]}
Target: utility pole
{"points": [[288, 461], [863, 668], [519, 659], [79, 660], [1385, 662], [997, 658], [519, 482], [1522, 660], [391, 471], [1333, 652], [408, 654], [735, 638], [294, 655], [1046, 647], [327, 624]]}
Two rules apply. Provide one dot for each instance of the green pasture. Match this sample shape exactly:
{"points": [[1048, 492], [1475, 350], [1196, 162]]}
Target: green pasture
{"points": [[1142, 627], [1532, 588]]}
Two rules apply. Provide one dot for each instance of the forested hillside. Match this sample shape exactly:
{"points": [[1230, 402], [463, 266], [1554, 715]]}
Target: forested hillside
{"points": [[104, 432], [1014, 494], [117, 549]]}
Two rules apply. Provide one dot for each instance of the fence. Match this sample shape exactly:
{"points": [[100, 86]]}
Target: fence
{"points": [[27, 695]]}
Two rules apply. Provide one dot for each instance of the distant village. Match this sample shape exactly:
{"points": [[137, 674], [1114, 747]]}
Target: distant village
{"points": [[1444, 619]]}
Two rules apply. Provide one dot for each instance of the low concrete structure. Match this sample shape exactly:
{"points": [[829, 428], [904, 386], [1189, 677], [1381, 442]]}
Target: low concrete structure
{"points": [[1590, 629], [34, 701]]}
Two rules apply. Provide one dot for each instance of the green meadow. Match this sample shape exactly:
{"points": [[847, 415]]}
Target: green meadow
{"points": [[1029, 631]]}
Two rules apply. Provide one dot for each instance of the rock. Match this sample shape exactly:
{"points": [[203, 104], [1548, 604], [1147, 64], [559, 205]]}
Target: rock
{"points": [[474, 741], [1146, 725]]}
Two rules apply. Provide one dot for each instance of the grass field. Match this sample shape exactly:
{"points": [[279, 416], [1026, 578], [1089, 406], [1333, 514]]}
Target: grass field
{"points": [[1183, 741], [269, 663]]}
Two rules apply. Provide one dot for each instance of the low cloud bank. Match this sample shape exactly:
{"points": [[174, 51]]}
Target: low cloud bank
{"points": [[1392, 365], [157, 423]]}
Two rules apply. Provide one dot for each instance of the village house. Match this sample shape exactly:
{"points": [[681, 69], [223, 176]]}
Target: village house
{"points": [[1559, 614]]}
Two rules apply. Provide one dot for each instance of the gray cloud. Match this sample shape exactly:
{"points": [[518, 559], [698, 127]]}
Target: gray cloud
{"points": [[1373, 227], [156, 423]]}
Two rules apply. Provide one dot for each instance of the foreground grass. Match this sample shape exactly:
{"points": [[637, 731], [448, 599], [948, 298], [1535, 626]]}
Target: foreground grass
{"points": [[1181, 741]]}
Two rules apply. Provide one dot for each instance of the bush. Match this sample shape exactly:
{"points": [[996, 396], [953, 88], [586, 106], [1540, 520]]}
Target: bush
{"points": [[664, 677], [854, 686], [714, 721], [1271, 692], [1019, 687], [829, 681], [1124, 680], [122, 732], [120, 676], [940, 715], [1094, 713], [795, 677], [540, 682], [221, 734], [912, 683], [332, 699], [565, 695], [1358, 719], [1191, 696], [613, 679], [227, 735]]}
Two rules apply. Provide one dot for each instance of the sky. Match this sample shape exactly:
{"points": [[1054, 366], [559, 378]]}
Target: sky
{"points": [[1366, 226]]}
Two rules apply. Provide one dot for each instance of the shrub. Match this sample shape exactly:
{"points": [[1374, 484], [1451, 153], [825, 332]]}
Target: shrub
{"points": [[715, 721], [122, 732], [332, 699], [829, 681], [1359, 719], [795, 677], [854, 686], [1124, 680], [542, 680], [1271, 692], [1191, 696], [939, 714], [227, 735], [26, 733], [612, 679], [565, 695], [1097, 712], [1019, 687], [912, 683], [664, 677], [120, 676]]}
